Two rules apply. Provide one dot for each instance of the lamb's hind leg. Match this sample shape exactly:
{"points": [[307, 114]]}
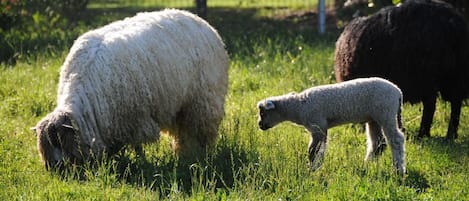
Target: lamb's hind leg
{"points": [[375, 140], [396, 140]]}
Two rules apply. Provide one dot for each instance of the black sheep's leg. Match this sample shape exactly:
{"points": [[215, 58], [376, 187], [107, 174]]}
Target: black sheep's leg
{"points": [[454, 121], [427, 116], [139, 151]]}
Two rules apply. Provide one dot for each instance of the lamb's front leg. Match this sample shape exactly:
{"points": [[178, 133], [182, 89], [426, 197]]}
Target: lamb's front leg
{"points": [[376, 142], [317, 146]]}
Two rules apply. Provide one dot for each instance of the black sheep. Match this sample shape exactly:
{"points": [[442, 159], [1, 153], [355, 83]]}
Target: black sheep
{"points": [[422, 46]]}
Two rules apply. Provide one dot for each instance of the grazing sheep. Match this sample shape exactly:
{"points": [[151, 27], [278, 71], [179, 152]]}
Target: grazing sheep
{"points": [[123, 83], [421, 46], [372, 100]]}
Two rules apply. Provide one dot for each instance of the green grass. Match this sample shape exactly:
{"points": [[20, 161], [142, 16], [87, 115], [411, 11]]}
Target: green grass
{"points": [[246, 163]]}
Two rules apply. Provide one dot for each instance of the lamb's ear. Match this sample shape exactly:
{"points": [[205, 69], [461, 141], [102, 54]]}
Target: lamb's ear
{"points": [[269, 105]]}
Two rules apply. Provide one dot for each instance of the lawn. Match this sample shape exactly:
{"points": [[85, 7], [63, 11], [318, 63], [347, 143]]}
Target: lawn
{"points": [[269, 56]]}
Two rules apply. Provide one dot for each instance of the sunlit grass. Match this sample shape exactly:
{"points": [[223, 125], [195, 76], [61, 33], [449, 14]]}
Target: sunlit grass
{"points": [[246, 163]]}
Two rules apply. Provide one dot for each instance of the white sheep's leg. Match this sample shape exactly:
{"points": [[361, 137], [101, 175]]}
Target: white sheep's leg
{"points": [[197, 129], [396, 140], [186, 143], [375, 140], [317, 146]]}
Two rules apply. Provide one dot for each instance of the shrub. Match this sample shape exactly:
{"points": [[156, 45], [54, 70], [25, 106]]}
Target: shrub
{"points": [[32, 25]]}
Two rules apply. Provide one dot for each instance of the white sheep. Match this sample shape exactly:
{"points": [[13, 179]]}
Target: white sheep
{"points": [[123, 83], [375, 101]]}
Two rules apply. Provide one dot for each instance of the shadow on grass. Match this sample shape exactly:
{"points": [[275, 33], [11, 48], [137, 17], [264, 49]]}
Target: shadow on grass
{"points": [[456, 150], [165, 174], [450, 153], [219, 169], [416, 180]]}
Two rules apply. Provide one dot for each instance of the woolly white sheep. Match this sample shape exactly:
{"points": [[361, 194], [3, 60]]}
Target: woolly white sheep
{"points": [[123, 83], [375, 101]]}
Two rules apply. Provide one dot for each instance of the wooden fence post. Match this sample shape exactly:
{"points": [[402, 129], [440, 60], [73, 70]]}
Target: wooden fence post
{"points": [[322, 16]]}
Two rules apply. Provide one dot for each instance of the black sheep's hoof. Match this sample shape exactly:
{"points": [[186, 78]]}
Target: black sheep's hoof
{"points": [[451, 136], [420, 136]]}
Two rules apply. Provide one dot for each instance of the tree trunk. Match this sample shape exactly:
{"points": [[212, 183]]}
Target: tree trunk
{"points": [[201, 6]]}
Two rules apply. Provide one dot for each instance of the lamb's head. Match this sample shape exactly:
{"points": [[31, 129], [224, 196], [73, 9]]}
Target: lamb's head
{"points": [[269, 115], [58, 140]]}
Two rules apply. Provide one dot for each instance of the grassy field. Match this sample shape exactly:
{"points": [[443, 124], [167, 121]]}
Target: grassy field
{"points": [[269, 56]]}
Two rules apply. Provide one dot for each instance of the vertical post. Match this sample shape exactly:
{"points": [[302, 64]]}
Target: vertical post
{"points": [[322, 16], [201, 6]]}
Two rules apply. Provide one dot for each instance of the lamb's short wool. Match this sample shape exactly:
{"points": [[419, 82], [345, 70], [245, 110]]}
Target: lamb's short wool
{"points": [[375, 101], [123, 83]]}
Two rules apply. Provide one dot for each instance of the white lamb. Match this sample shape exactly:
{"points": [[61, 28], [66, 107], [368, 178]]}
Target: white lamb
{"points": [[375, 101], [123, 83]]}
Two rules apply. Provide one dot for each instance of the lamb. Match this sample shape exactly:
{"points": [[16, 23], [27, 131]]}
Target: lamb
{"points": [[375, 101], [123, 83], [421, 46]]}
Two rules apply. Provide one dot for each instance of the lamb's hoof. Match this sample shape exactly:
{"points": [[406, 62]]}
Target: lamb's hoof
{"points": [[401, 172], [313, 168], [314, 165]]}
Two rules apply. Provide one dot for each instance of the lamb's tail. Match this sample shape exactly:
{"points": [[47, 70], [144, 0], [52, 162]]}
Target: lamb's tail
{"points": [[399, 115]]}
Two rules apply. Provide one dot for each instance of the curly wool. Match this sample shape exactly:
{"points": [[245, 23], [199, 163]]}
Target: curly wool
{"points": [[122, 83], [421, 46], [373, 100]]}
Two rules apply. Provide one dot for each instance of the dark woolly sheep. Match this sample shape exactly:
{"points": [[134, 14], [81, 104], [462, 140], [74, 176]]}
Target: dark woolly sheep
{"points": [[420, 46]]}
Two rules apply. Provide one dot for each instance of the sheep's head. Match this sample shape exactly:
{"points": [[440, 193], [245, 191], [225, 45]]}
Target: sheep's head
{"points": [[268, 114], [58, 140]]}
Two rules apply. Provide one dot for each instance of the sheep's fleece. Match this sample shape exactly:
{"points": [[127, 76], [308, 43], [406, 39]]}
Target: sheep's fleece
{"points": [[421, 46], [123, 83], [375, 101]]}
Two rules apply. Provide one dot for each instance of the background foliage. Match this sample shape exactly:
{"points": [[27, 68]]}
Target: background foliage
{"points": [[36, 25]]}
